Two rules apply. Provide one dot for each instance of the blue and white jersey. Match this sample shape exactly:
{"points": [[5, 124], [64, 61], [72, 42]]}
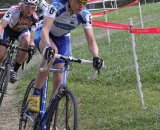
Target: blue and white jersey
{"points": [[65, 21]]}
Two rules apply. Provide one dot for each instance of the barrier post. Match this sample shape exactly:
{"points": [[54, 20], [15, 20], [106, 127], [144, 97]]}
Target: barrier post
{"points": [[105, 16], [139, 85], [140, 13], [115, 5]]}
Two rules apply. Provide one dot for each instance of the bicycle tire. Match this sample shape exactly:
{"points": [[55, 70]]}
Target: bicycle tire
{"points": [[4, 79], [59, 117], [24, 123]]}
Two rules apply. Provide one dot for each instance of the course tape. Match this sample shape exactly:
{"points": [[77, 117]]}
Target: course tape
{"points": [[109, 25], [118, 26], [105, 11], [146, 31]]}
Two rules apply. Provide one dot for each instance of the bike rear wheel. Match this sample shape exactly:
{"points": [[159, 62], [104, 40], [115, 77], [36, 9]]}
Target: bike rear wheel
{"points": [[64, 115], [4, 79], [24, 122]]}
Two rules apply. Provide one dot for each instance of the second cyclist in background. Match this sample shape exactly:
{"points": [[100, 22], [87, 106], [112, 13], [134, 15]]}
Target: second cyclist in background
{"points": [[19, 22]]}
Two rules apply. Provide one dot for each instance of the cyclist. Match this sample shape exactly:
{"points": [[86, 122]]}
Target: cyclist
{"points": [[19, 22], [61, 17]]}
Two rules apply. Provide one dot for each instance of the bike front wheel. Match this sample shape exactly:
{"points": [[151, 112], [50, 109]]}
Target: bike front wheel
{"points": [[26, 120], [64, 115], [4, 79]]}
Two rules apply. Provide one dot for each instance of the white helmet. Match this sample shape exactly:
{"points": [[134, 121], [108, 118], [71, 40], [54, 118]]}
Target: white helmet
{"points": [[34, 2]]}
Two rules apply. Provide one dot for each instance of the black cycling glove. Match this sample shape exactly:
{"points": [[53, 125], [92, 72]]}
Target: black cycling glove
{"points": [[31, 52], [48, 53], [97, 63]]}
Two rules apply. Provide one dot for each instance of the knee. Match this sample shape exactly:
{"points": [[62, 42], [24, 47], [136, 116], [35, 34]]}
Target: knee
{"points": [[1, 56], [2, 52], [25, 42]]}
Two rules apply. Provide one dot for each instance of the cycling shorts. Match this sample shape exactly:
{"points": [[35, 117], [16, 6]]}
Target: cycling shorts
{"points": [[9, 33]]}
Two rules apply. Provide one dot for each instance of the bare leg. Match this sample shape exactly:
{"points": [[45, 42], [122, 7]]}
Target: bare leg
{"points": [[57, 78], [41, 76], [22, 55], [3, 50]]}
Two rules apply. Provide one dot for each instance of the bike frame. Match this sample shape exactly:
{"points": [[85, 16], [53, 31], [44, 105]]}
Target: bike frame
{"points": [[44, 112], [10, 51], [43, 116]]}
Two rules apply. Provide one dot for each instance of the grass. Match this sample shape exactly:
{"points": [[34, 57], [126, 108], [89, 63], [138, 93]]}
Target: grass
{"points": [[111, 102]]}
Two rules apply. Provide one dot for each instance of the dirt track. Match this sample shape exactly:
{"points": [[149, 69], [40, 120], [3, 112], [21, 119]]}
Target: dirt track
{"points": [[9, 111]]}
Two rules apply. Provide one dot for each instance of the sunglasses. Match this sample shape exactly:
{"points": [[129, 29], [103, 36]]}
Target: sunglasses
{"points": [[83, 2]]}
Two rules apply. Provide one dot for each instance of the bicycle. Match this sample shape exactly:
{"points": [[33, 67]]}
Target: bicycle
{"points": [[61, 113], [7, 64]]}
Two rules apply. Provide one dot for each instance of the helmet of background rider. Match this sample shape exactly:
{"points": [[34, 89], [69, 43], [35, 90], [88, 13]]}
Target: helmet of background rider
{"points": [[31, 2]]}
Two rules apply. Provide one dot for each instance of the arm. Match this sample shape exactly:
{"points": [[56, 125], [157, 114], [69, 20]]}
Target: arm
{"points": [[45, 30], [48, 21], [97, 61], [48, 51], [3, 24], [86, 21], [5, 20], [91, 41]]}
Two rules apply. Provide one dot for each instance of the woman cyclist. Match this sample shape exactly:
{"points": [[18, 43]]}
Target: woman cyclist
{"points": [[61, 17]]}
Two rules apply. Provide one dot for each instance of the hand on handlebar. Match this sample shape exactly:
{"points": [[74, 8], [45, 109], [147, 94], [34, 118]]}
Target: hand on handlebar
{"points": [[32, 50], [48, 52], [97, 63]]}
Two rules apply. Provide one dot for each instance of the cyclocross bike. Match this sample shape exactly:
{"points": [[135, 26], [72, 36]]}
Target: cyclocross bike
{"points": [[6, 65], [61, 113]]}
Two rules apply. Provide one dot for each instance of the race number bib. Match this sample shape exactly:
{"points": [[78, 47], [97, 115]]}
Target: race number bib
{"points": [[51, 12], [7, 16]]}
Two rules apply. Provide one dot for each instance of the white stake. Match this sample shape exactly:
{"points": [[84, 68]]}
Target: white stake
{"points": [[140, 13], [105, 16], [139, 85]]}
